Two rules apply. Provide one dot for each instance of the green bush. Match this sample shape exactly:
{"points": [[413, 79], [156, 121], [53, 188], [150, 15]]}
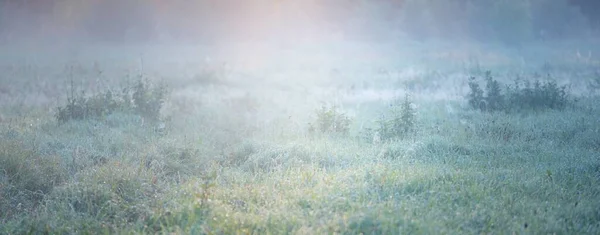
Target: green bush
{"points": [[80, 107], [330, 120], [147, 99], [141, 98], [494, 99], [518, 97], [399, 122], [475, 96]]}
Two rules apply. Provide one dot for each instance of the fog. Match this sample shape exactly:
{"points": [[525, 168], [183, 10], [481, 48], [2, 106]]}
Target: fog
{"points": [[270, 32], [293, 55], [299, 116], [214, 22], [380, 46]]}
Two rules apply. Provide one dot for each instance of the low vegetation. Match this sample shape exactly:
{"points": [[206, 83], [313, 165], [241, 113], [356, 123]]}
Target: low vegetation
{"points": [[398, 122], [431, 168], [521, 96], [330, 120], [141, 98]]}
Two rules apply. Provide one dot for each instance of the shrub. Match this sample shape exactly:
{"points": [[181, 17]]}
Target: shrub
{"points": [[401, 121], [543, 95], [80, 107], [148, 99], [475, 96], [330, 120], [494, 99], [521, 96], [142, 98]]}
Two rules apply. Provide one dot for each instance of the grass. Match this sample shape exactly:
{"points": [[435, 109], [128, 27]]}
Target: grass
{"points": [[461, 172]]}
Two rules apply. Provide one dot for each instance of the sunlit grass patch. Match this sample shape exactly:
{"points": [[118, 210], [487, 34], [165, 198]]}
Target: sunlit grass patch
{"points": [[298, 197]]}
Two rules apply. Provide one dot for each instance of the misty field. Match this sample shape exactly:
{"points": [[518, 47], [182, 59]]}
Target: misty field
{"points": [[256, 140]]}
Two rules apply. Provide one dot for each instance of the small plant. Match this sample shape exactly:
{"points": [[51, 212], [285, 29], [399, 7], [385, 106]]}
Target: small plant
{"points": [[494, 99], [407, 115], [330, 120], [475, 96], [206, 188], [148, 100], [401, 121]]}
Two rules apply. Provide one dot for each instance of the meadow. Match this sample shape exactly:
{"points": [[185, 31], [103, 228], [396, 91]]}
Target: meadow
{"points": [[256, 139]]}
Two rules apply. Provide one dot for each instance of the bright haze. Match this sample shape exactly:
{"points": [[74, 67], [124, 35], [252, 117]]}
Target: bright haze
{"points": [[320, 35]]}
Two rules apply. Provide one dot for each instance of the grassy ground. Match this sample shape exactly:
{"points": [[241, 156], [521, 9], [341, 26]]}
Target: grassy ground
{"points": [[236, 156]]}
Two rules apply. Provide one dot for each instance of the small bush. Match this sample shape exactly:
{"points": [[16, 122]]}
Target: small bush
{"points": [[475, 96], [80, 107], [401, 121], [142, 98], [494, 99], [330, 120], [147, 99], [518, 97]]}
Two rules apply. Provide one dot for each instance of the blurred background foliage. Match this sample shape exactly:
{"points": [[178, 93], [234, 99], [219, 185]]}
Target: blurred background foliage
{"points": [[506, 21]]}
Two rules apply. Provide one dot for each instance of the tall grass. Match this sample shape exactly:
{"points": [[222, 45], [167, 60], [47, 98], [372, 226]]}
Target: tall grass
{"points": [[493, 172], [225, 165]]}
